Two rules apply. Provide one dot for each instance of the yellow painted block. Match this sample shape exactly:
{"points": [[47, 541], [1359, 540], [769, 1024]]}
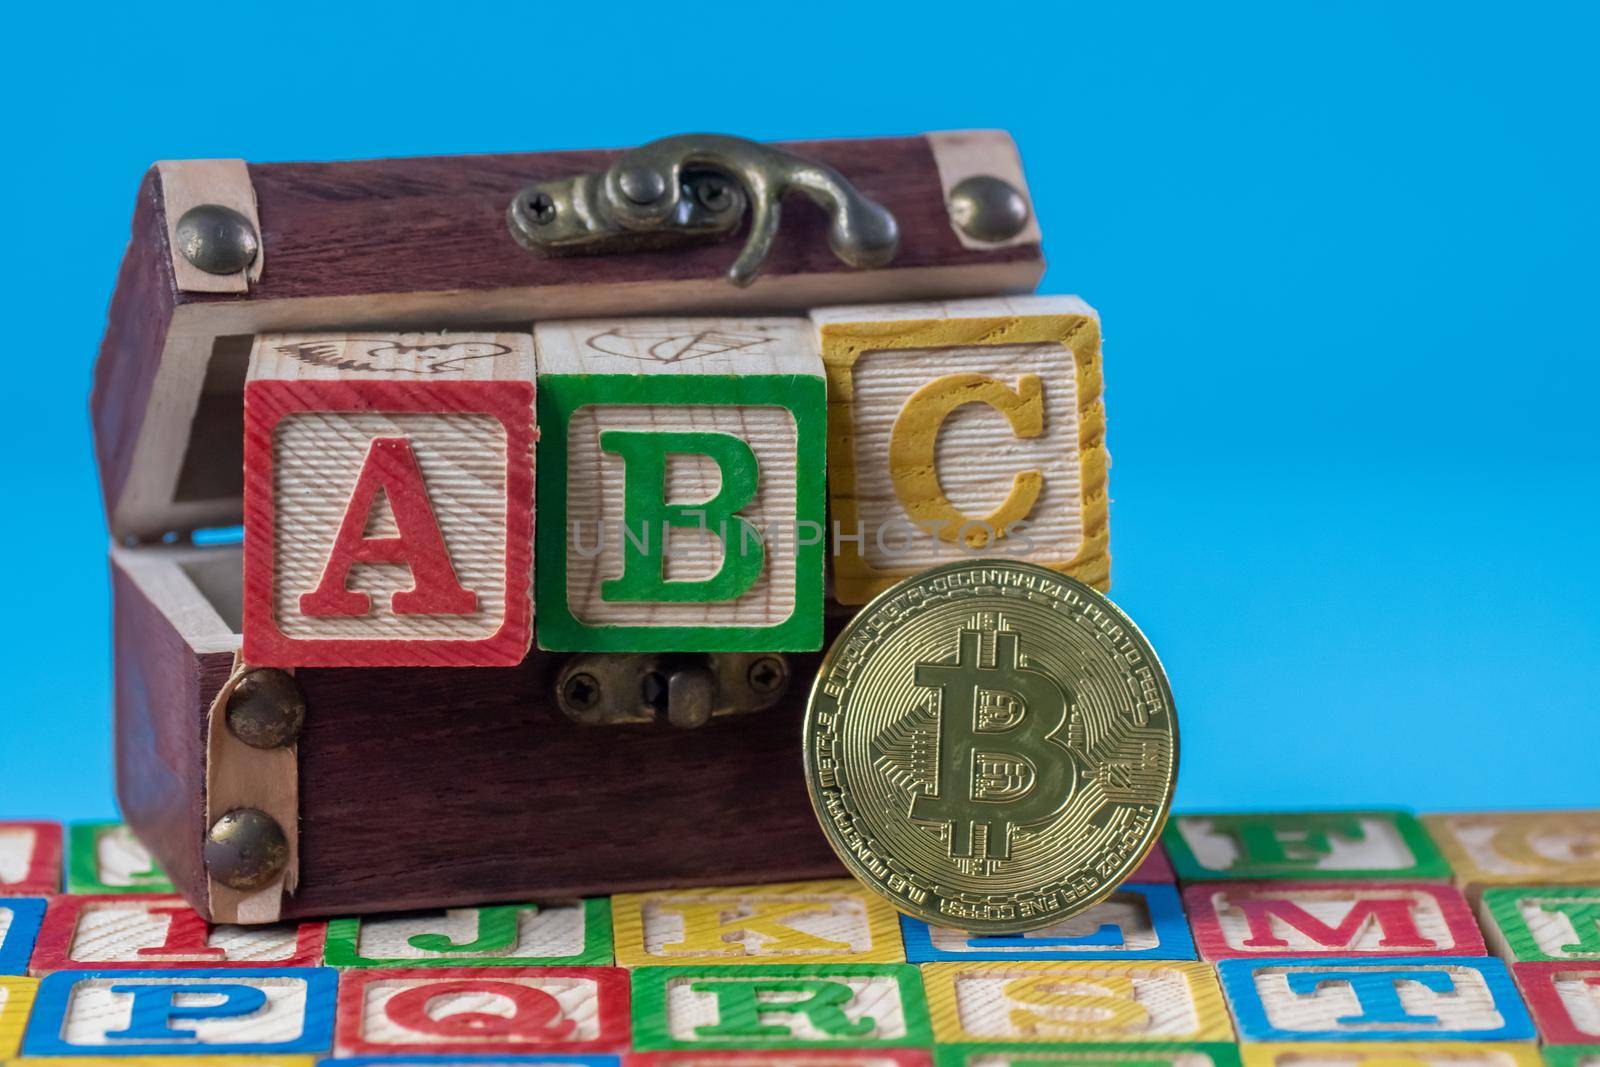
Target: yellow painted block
{"points": [[164, 1061], [1055, 1003], [970, 427], [1520, 847], [838, 921], [1391, 1054], [16, 1001]]}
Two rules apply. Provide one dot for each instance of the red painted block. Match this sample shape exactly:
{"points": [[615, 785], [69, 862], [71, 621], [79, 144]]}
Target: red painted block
{"points": [[30, 859], [1564, 999], [388, 500], [125, 931], [888, 1057], [1233, 920], [1155, 868], [482, 1010]]}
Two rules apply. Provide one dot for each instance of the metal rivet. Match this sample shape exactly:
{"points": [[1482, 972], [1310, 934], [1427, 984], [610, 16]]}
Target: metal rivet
{"points": [[217, 239], [767, 675], [581, 691], [266, 709], [642, 185], [542, 208], [246, 849], [986, 208]]}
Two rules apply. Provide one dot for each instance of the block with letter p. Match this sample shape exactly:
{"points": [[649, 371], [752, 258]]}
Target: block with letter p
{"points": [[973, 426], [682, 470], [388, 500]]}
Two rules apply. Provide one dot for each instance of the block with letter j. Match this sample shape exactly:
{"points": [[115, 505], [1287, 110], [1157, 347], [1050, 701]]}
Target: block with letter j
{"points": [[681, 474], [388, 500]]}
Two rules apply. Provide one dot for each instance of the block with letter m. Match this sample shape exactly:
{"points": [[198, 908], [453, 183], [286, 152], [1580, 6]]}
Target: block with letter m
{"points": [[1293, 918]]}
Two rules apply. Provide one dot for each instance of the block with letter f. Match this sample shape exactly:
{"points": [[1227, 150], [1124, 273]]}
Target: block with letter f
{"points": [[388, 500], [682, 472]]}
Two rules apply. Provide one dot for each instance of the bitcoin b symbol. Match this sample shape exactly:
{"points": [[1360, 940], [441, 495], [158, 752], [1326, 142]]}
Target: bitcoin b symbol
{"points": [[998, 767]]}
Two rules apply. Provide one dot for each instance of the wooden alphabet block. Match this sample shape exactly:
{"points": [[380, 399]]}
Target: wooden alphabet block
{"points": [[1564, 999], [20, 918], [567, 1059], [1520, 847], [1155, 868], [502, 935], [192, 1012], [1572, 1055], [847, 1006], [1292, 918], [483, 1011], [1090, 1054], [826, 1057], [1135, 922], [105, 857], [30, 859], [973, 426], [1055, 1003], [1391, 1054], [1366, 998], [388, 500], [682, 465], [16, 1004], [837, 921], [172, 1061], [125, 931], [1559, 924], [1328, 845]]}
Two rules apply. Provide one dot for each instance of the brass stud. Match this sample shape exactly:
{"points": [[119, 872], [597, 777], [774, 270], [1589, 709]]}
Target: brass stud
{"points": [[985, 208], [246, 849], [217, 239], [266, 709]]}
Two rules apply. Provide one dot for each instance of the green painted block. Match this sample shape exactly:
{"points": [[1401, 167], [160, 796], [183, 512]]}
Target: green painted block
{"points": [[105, 857], [1531, 924], [1089, 1054], [761, 1007], [1322, 845], [681, 499], [505, 935], [1572, 1055]]}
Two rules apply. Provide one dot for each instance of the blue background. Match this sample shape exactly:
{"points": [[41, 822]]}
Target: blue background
{"points": [[1345, 256]]}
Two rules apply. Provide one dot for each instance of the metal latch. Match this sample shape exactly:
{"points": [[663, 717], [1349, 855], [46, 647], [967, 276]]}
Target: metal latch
{"points": [[685, 689], [693, 188]]}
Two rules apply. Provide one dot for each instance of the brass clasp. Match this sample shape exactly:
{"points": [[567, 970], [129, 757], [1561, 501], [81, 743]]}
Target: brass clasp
{"points": [[685, 689], [695, 187]]}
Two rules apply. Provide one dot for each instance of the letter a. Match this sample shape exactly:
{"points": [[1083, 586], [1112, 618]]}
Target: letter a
{"points": [[391, 467]]}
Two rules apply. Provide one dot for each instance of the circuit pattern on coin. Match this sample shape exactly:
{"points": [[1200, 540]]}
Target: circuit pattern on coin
{"points": [[991, 745]]}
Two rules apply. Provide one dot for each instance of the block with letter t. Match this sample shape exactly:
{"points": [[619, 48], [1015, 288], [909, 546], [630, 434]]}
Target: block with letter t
{"points": [[964, 427], [388, 500], [682, 470]]}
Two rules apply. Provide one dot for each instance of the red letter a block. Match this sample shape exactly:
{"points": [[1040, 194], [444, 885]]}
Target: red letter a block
{"points": [[388, 500]]}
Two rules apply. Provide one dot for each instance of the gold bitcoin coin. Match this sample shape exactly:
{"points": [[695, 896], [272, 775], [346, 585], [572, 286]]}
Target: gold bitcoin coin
{"points": [[991, 745]]}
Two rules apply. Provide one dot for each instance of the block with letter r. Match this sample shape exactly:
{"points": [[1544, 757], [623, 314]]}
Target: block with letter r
{"points": [[1356, 845], [1090, 1054], [206, 1012], [1366, 998], [681, 469], [1135, 922], [1550, 923], [845, 1006], [1295, 918]]}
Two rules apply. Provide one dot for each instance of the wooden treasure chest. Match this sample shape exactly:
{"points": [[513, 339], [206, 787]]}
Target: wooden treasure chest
{"points": [[555, 473]]}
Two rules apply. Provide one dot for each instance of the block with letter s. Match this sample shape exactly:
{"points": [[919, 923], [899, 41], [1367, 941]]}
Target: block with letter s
{"points": [[388, 500]]}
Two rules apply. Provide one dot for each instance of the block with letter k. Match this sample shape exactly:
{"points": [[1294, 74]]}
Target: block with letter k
{"points": [[1363, 998]]}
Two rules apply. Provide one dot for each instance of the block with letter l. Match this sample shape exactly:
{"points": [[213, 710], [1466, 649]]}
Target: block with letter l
{"points": [[682, 470], [972, 426], [388, 500]]}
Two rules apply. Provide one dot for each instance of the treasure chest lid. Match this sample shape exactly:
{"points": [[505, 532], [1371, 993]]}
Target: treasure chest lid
{"points": [[223, 249]]}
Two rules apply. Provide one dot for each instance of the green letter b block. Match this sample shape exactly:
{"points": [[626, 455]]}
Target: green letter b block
{"points": [[680, 486]]}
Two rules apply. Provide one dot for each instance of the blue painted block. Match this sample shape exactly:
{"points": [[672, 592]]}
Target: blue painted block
{"points": [[19, 926], [477, 1059], [166, 1012], [1137, 922], [1367, 998]]}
